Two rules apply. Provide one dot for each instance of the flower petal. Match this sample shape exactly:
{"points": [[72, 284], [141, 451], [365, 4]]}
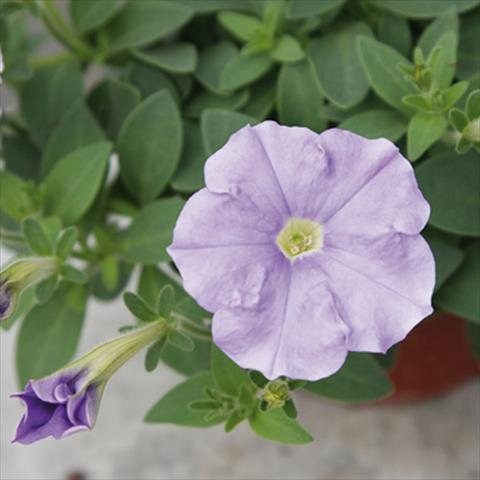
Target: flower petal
{"points": [[226, 276], [382, 285], [294, 331], [46, 388], [82, 408], [242, 169], [215, 220], [389, 202]]}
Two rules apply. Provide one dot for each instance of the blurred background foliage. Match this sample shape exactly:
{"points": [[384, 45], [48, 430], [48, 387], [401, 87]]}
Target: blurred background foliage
{"points": [[109, 134]]}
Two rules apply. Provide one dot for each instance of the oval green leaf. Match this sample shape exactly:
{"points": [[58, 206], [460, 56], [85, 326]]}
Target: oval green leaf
{"points": [[338, 66], [361, 379], [450, 183], [149, 146], [150, 233], [74, 181]]}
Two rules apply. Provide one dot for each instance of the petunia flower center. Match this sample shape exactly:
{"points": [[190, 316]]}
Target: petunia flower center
{"points": [[300, 237]]}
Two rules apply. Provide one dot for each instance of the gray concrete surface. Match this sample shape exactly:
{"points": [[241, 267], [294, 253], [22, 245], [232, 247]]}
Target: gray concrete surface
{"points": [[435, 440]]}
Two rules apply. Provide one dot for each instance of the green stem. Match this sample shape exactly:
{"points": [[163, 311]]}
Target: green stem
{"points": [[52, 59], [53, 19], [190, 328]]}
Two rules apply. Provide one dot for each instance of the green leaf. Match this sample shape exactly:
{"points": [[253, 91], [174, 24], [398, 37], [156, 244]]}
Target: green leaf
{"points": [[74, 181], [473, 105], [211, 63], [149, 146], [157, 20], [36, 237], [361, 379], [149, 80], [241, 26], [45, 289], [109, 292], [338, 66], [459, 294], [425, 9], [218, 125], [150, 233], [380, 64], [468, 52], [299, 98], [77, 128], [244, 69], [445, 61], [452, 94], [139, 308], [174, 58], [88, 15], [174, 406], [277, 426], [212, 6], [111, 101], [262, 97], [21, 156], [424, 130], [299, 9], [287, 50], [65, 242], [418, 102], [395, 31], [377, 124], [71, 274], [447, 257], [15, 198], [446, 22], [228, 376], [204, 100], [180, 341], [454, 209], [47, 96], [49, 334]]}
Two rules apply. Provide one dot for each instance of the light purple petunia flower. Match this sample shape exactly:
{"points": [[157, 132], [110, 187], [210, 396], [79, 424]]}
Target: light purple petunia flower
{"points": [[305, 247]]}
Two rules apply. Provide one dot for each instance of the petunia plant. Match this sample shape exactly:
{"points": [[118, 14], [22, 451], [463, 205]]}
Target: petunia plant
{"points": [[279, 192]]}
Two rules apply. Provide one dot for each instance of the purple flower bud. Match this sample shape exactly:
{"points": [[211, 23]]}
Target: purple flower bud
{"points": [[57, 406], [19, 275], [68, 400], [6, 303]]}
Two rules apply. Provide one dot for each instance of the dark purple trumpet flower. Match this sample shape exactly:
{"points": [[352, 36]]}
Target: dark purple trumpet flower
{"points": [[57, 406], [68, 400]]}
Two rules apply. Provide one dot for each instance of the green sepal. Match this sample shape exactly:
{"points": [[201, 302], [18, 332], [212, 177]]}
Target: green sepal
{"points": [[181, 341], [36, 237], [473, 105], [452, 94], [73, 274], [290, 409], [45, 289], [153, 355], [165, 301], [457, 119], [65, 242], [139, 308], [233, 420]]}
